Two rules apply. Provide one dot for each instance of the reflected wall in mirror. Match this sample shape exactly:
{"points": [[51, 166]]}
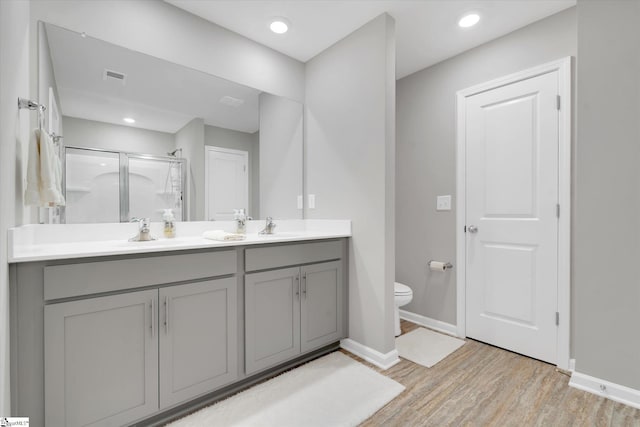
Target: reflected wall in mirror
{"points": [[117, 100]]}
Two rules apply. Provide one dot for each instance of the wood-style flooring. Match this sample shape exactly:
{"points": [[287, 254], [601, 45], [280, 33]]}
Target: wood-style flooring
{"points": [[481, 385]]}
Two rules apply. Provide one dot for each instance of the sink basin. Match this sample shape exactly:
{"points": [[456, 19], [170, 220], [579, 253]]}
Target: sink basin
{"points": [[282, 234], [154, 243]]}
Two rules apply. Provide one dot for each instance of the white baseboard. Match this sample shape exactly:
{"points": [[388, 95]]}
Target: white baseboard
{"points": [[615, 392], [430, 323], [383, 361]]}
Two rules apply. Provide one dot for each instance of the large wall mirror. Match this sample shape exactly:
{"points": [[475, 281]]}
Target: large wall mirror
{"points": [[141, 134]]}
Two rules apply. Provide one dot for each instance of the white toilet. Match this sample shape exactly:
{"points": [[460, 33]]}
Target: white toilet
{"points": [[403, 296]]}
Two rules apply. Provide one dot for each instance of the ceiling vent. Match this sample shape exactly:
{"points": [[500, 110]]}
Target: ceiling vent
{"points": [[115, 76], [231, 101]]}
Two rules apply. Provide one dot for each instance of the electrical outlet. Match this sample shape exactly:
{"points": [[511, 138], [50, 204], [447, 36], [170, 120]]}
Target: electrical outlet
{"points": [[312, 201], [443, 203]]}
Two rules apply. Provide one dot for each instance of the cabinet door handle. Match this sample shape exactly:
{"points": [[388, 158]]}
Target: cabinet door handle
{"points": [[298, 286], [166, 315], [304, 284], [153, 317]]}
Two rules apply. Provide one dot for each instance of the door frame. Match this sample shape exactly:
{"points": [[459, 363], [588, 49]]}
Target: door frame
{"points": [[563, 67], [209, 148]]}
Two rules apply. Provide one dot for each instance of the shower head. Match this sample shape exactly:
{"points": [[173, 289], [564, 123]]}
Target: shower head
{"points": [[173, 153]]}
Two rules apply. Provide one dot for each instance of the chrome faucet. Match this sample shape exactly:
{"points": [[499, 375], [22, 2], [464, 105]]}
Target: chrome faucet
{"points": [[269, 226], [144, 230]]}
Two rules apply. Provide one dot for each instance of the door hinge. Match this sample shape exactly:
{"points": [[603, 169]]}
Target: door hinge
{"points": [[557, 319], [558, 102], [558, 210], [465, 228]]}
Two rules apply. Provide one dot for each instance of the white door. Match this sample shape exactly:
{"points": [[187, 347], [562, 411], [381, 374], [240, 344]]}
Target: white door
{"points": [[511, 216], [226, 182]]}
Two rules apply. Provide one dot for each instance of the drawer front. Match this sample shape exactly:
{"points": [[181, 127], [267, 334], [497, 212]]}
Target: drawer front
{"points": [[288, 255], [64, 281]]}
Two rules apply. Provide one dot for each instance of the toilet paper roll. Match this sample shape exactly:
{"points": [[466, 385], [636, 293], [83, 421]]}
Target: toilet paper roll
{"points": [[437, 266]]}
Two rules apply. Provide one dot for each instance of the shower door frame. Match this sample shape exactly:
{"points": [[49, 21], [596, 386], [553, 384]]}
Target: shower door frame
{"points": [[123, 173]]}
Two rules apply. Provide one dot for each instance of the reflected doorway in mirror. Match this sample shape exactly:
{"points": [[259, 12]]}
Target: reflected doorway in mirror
{"points": [[226, 183]]}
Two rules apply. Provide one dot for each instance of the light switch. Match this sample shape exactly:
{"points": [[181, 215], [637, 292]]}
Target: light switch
{"points": [[299, 202], [312, 201], [443, 203]]}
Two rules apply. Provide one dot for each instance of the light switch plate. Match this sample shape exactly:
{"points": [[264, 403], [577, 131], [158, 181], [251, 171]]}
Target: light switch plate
{"points": [[299, 202], [312, 201], [443, 203]]}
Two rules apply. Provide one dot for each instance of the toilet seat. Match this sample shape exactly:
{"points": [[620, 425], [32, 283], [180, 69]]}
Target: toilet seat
{"points": [[401, 289], [403, 295]]}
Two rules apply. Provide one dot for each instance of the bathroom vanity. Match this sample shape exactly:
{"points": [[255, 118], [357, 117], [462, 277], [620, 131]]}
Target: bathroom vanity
{"points": [[124, 337]]}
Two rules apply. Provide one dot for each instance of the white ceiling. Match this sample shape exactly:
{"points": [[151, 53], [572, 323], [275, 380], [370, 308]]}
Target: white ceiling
{"points": [[426, 31], [158, 94]]}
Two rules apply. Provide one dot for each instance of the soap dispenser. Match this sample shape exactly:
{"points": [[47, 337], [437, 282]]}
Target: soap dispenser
{"points": [[169, 224], [241, 221]]}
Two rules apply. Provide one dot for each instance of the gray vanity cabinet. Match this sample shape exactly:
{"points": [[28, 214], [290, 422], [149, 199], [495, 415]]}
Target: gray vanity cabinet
{"points": [[128, 340], [291, 311], [102, 354], [101, 360], [272, 317], [198, 339]]}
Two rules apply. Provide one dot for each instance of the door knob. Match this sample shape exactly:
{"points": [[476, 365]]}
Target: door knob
{"points": [[472, 229]]}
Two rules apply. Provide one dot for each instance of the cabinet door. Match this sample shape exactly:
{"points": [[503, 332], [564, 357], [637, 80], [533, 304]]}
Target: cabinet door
{"points": [[101, 360], [321, 304], [198, 339], [272, 317]]}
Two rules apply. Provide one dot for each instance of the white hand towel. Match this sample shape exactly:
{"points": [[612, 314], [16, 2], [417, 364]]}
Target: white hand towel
{"points": [[32, 193], [222, 235], [50, 173], [44, 173]]}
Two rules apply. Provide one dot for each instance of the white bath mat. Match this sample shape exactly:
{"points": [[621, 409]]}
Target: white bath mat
{"points": [[426, 347], [334, 390]]}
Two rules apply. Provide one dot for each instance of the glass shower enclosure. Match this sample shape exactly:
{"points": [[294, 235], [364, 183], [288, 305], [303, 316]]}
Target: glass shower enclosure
{"points": [[112, 186]]}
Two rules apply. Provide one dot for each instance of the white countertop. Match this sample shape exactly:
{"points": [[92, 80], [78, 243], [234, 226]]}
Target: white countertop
{"points": [[42, 242]]}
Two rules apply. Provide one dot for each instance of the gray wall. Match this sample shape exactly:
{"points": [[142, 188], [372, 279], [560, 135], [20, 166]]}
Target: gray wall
{"points": [[191, 139], [164, 31], [280, 156], [426, 152], [14, 135], [107, 136], [607, 187], [349, 155], [227, 138]]}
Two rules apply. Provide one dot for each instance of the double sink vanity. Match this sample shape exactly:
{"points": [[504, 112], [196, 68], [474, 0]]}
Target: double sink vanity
{"points": [[108, 332], [111, 332]]}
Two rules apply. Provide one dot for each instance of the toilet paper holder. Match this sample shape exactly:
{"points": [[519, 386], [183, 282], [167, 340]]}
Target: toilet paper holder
{"points": [[443, 265]]}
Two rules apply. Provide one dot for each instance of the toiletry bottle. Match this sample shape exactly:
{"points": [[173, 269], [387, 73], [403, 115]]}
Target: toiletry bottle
{"points": [[241, 222], [169, 224], [236, 218]]}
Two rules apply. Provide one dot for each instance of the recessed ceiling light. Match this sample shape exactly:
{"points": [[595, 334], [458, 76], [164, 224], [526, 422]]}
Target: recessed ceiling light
{"points": [[469, 20], [129, 120], [279, 25], [103, 164]]}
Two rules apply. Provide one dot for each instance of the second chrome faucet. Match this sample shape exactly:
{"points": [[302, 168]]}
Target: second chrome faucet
{"points": [[269, 226], [144, 230]]}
